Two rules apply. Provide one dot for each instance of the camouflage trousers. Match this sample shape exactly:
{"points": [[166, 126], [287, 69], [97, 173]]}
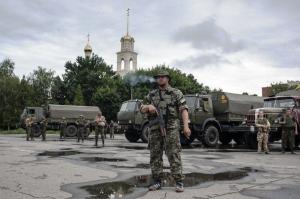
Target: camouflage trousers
{"points": [[288, 138], [29, 133], [99, 130], [63, 132], [262, 141], [80, 133], [112, 132], [172, 150]]}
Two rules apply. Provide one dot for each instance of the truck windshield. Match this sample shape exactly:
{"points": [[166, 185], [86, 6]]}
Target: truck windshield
{"points": [[279, 103], [190, 101], [128, 106]]}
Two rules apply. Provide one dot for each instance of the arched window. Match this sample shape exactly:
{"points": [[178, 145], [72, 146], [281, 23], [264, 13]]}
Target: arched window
{"points": [[130, 64], [122, 64]]}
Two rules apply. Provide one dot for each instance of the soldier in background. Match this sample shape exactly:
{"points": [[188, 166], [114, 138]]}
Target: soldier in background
{"points": [[33, 127], [63, 128], [172, 105], [112, 129], [289, 130], [263, 133], [28, 127], [100, 124], [81, 123], [44, 124]]}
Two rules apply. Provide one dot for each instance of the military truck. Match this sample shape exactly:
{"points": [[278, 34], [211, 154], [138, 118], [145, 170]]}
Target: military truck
{"points": [[132, 122], [214, 117], [54, 114], [273, 109], [220, 117]]}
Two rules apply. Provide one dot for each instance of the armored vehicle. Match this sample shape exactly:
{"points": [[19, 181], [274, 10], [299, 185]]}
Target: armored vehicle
{"points": [[220, 116], [54, 114], [273, 108], [132, 122]]}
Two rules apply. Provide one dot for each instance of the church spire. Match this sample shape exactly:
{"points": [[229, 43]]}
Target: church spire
{"points": [[127, 33], [88, 48]]}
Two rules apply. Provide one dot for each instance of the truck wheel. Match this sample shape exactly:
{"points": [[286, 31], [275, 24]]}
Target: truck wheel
{"points": [[297, 142], [225, 140], [71, 131], [211, 136], [251, 140], [145, 133], [132, 136], [37, 132]]}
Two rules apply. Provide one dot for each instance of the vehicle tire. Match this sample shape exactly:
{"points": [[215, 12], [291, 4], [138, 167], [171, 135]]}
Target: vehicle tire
{"points": [[251, 140], [132, 136], [37, 131], [297, 141], [211, 136], [145, 133], [239, 140], [71, 131], [225, 140]]}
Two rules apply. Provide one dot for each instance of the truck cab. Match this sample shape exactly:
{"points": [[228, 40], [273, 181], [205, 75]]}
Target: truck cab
{"points": [[273, 109], [132, 122]]}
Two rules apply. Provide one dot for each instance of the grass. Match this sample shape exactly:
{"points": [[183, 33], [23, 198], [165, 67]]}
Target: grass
{"points": [[22, 131]]}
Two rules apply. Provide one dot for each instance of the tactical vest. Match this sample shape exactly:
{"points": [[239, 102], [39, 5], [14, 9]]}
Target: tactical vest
{"points": [[165, 100]]}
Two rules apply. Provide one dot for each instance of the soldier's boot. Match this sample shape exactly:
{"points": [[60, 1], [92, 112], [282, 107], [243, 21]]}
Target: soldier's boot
{"points": [[96, 141], [155, 186], [179, 187]]}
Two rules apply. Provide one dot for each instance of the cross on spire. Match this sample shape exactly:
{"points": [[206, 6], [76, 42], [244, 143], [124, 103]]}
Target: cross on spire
{"points": [[127, 21], [88, 37]]}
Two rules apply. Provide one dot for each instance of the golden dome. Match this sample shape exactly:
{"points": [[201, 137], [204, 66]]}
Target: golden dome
{"points": [[88, 47]]}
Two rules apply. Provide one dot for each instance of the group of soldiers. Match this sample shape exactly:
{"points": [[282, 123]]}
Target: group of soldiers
{"points": [[100, 124], [289, 130]]}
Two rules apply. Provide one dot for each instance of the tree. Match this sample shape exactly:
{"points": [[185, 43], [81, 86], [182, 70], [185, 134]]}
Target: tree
{"points": [[58, 91], [90, 73], [280, 87], [41, 81], [78, 99], [7, 67]]}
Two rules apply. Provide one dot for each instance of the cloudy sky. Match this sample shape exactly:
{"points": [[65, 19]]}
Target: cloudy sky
{"points": [[235, 45]]}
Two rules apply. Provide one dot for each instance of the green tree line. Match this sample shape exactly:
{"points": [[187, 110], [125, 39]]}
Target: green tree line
{"points": [[86, 81]]}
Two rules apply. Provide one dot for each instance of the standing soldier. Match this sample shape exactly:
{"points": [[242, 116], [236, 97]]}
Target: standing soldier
{"points": [[28, 127], [63, 128], [33, 127], [263, 126], [99, 128], [170, 103], [112, 129], [81, 123], [289, 130], [44, 124]]}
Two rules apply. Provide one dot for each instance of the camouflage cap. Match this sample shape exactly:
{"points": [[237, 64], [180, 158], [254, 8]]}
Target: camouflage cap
{"points": [[162, 74]]}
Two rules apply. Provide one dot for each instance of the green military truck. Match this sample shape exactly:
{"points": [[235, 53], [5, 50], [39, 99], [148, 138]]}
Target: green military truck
{"points": [[220, 116], [273, 109], [216, 117], [132, 122], [54, 114]]}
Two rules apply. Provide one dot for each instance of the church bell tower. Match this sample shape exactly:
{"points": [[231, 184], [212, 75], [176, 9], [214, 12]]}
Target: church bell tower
{"points": [[126, 58]]}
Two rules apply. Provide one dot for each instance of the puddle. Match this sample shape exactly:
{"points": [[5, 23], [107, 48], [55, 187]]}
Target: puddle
{"points": [[133, 147], [120, 189], [137, 166], [102, 159], [58, 153]]}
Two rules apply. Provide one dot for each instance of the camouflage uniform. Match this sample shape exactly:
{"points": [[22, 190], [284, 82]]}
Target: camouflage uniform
{"points": [[44, 124], [99, 129], [33, 127], [288, 133], [171, 102], [28, 127], [63, 128], [112, 129], [81, 123], [263, 134]]}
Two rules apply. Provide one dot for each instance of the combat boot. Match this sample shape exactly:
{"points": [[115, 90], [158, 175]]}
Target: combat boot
{"points": [[155, 186], [179, 187]]}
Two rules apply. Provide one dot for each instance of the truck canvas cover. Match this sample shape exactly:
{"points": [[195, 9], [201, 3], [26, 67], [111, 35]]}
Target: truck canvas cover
{"points": [[72, 112]]}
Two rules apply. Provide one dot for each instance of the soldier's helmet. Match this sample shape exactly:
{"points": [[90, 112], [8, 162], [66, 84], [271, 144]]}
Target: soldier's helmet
{"points": [[162, 74], [81, 116], [63, 118]]}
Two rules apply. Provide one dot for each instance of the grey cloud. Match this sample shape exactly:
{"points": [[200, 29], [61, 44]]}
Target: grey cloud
{"points": [[201, 61], [207, 35]]}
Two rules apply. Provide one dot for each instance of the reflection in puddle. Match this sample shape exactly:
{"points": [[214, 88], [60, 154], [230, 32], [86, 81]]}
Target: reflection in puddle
{"points": [[102, 159], [133, 147], [137, 166], [58, 153], [119, 189]]}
